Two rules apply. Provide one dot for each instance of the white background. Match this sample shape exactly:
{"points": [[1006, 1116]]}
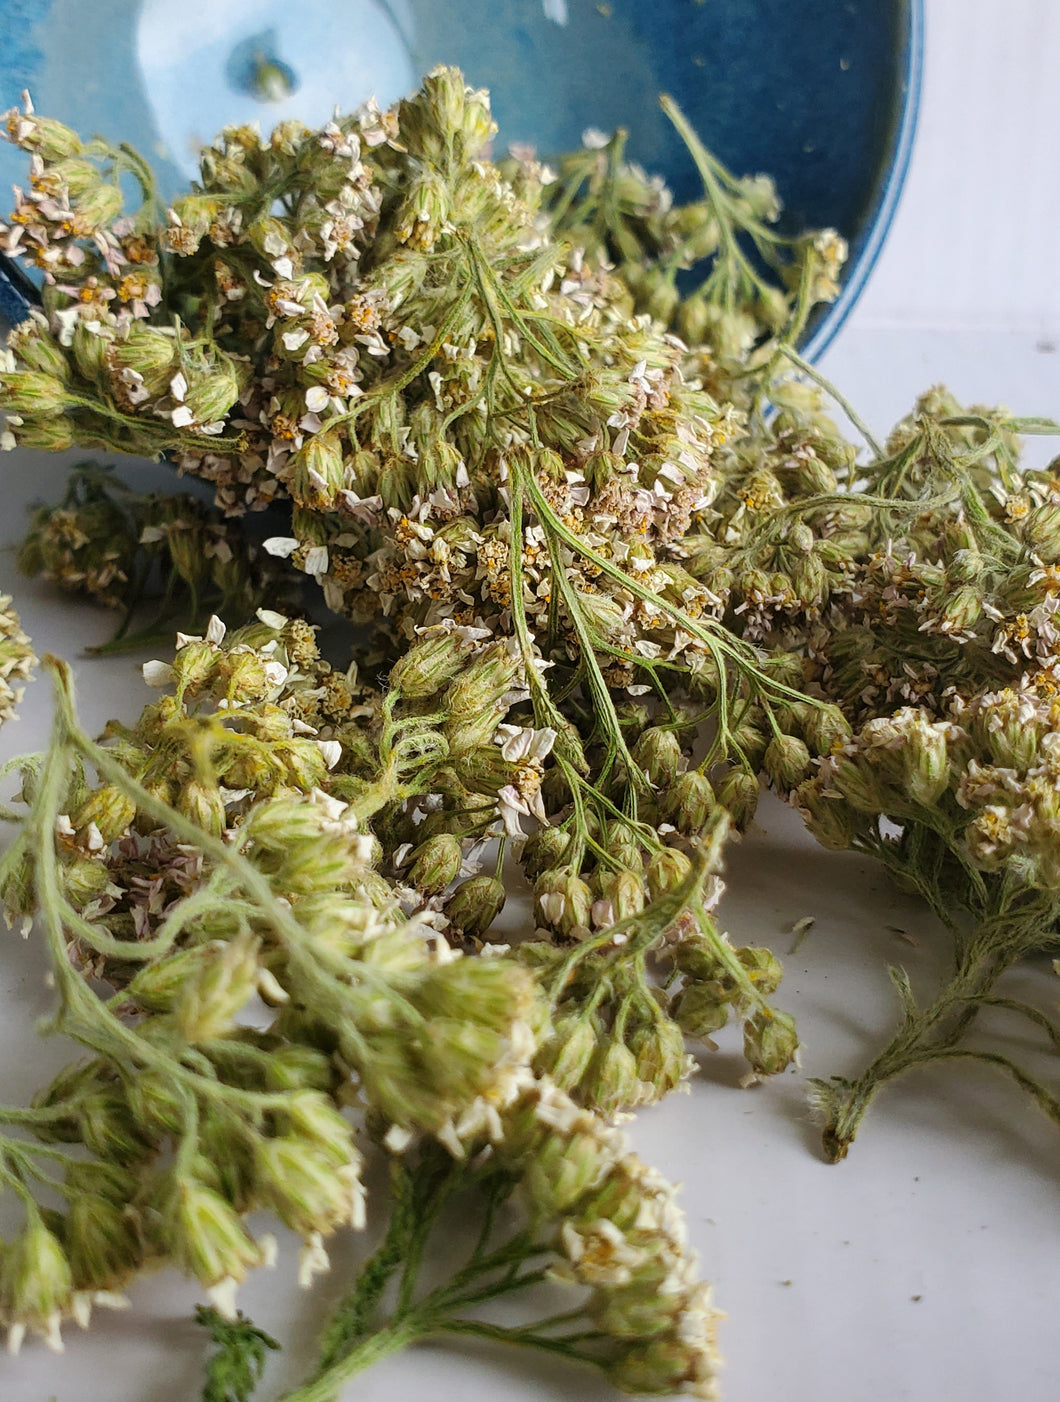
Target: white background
{"points": [[924, 1268]]}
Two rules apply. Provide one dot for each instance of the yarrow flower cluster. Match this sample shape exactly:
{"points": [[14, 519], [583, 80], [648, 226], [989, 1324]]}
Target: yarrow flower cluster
{"points": [[550, 435], [16, 659], [122, 548]]}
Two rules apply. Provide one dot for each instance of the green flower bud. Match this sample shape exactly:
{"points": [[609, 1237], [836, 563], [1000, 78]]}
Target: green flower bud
{"points": [[621, 842], [484, 770], [825, 728], [195, 214], [297, 1067], [428, 666], [159, 984], [111, 1128], [195, 667], [49, 435], [786, 761], [319, 472], [697, 954], [763, 967], [770, 1041], [69, 1085], [146, 350], [1041, 531], [544, 849], [613, 1083], [33, 394], [924, 756], [212, 394], [90, 348], [51, 140], [440, 462], [204, 1236], [962, 610], [95, 1178], [225, 1161], [397, 485], [84, 878], [1001, 730], [563, 902], [560, 1171], [270, 237], [35, 1281], [659, 1049], [425, 210], [310, 1186], [110, 810], [474, 905], [661, 1367], [156, 1105], [435, 863], [829, 819], [203, 804], [482, 682], [36, 349], [99, 206], [751, 741], [102, 1242], [809, 581], [625, 890], [567, 1054], [687, 802], [702, 1007], [500, 993], [666, 870], [965, 567], [306, 768], [854, 780], [222, 984], [18, 890]]}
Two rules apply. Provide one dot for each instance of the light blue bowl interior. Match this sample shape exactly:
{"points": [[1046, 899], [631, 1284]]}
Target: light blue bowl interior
{"points": [[822, 96]]}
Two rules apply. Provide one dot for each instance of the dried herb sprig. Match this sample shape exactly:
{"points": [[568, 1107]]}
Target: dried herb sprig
{"points": [[368, 1006], [562, 1200], [254, 1117], [235, 1369], [919, 601], [430, 375], [757, 286], [168, 556]]}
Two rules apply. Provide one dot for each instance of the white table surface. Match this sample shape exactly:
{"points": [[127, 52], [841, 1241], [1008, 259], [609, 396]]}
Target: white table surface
{"points": [[922, 1268]]}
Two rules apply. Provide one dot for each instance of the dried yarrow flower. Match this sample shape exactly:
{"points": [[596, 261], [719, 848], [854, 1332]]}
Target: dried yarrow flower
{"points": [[16, 659]]}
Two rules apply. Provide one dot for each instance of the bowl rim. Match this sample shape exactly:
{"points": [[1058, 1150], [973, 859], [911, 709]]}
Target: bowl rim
{"points": [[881, 217]]}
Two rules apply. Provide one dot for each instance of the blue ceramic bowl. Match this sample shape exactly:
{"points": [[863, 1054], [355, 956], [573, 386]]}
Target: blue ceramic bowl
{"points": [[821, 94]]}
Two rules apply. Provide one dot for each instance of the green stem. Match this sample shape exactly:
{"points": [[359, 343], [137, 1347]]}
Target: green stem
{"points": [[524, 1338], [844, 404], [922, 1037], [391, 1338]]}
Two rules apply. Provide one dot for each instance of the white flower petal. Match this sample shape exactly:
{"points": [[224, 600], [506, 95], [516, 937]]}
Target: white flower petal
{"points": [[272, 619], [157, 673], [332, 752], [281, 546]]}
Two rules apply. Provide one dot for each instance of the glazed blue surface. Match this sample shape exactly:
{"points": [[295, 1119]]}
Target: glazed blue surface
{"points": [[821, 94]]}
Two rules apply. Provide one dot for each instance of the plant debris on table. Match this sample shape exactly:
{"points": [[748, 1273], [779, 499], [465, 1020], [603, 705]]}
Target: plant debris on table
{"points": [[621, 566]]}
